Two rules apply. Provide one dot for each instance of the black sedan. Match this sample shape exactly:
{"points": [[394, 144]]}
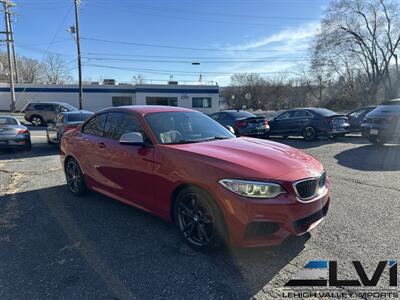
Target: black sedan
{"points": [[13, 135], [382, 125], [243, 122], [309, 123], [357, 116]]}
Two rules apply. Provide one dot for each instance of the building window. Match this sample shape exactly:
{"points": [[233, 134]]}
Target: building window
{"points": [[166, 101], [121, 100], [201, 102]]}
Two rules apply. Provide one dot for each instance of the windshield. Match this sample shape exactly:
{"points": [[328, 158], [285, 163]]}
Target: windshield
{"points": [[70, 107], [325, 112], [8, 121], [185, 127], [77, 117]]}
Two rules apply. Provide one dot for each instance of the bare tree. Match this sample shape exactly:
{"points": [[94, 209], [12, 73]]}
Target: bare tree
{"points": [[360, 37], [56, 70], [138, 79], [30, 70]]}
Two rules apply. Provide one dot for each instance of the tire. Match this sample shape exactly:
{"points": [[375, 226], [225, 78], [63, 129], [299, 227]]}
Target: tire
{"points": [[199, 220], [376, 140], [309, 133], [75, 179], [36, 121], [28, 146]]}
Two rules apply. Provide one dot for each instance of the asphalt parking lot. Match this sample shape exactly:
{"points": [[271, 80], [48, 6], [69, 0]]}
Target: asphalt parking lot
{"points": [[53, 245]]}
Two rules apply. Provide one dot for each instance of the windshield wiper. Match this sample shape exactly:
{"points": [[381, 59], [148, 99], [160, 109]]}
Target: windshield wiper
{"points": [[216, 138]]}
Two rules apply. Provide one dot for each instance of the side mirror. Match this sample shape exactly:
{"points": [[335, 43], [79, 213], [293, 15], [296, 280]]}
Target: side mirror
{"points": [[230, 128], [132, 138]]}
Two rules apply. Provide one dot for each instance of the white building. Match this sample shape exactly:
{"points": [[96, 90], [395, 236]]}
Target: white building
{"points": [[204, 98]]}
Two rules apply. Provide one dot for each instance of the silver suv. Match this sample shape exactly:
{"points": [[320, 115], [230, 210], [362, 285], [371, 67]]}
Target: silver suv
{"points": [[41, 113]]}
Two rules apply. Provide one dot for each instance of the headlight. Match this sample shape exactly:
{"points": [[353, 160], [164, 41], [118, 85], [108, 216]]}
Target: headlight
{"points": [[253, 189]]}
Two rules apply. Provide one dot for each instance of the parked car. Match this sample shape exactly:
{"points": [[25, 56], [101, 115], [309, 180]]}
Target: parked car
{"points": [[309, 123], [41, 113], [65, 121], [13, 135], [357, 116], [184, 167], [382, 125], [243, 122]]}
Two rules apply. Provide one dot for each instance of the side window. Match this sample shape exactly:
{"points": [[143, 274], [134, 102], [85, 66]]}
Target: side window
{"points": [[38, 107], [284, 116], [119, 123], [51, 107], [301, 114], [356, 114], [61, 108], [95, 126]]}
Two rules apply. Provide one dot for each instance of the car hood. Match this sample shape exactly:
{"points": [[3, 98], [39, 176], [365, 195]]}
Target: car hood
{"points": [[255, 158]]}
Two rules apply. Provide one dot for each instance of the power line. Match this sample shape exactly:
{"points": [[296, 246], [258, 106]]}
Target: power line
{"points": [[190, 62], [187, 48], [175, 17], [211, 13], [182, 73], [169, 56]]}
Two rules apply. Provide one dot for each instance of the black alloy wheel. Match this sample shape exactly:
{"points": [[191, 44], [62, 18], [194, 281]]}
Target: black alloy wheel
{"points": [[75, 180], [199, 220], [309, 133], [376, 140]]}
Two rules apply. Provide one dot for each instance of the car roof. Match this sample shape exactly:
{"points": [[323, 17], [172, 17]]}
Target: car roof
{"points": [[76, 112], [49, 102], [233, 110], [146, 109]]}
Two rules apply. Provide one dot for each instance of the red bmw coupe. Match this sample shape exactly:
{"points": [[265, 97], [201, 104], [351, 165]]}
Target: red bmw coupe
{"points": [[186, 168]]}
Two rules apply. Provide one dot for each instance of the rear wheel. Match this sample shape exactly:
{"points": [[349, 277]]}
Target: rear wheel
{"points": [[75, 180], [309, 133], [376, 140], [37, 120], [199, 220], [28, 146]]}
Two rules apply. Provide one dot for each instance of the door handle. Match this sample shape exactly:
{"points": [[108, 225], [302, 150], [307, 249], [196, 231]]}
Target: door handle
{"points": [[101, 145]]}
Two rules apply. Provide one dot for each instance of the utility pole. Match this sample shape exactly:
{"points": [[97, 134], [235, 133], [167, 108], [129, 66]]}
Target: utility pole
{"points": [[9, 41], [13, 54], [78, 46]]}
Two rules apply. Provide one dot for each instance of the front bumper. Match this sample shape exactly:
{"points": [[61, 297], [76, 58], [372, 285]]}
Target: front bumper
{"points": [[256, 222]]}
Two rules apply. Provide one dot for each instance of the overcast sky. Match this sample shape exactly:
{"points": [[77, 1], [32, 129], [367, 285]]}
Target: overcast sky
{"points": [[159, 38]]}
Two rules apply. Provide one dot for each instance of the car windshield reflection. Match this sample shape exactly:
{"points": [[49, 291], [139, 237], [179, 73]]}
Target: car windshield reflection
{"points": [[185, 128]]}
